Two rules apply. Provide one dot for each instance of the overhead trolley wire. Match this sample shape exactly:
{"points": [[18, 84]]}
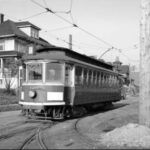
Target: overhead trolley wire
{"points": [[62, 28], [32, 16], [60, 39], [75, 25], [45, 3]]}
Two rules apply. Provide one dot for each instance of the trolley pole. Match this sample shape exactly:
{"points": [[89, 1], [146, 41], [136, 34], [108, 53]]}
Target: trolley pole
{"points": [[144, 103]]}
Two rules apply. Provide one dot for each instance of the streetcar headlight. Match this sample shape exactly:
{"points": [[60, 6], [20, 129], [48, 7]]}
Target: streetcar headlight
{"points": [[32, 94]]}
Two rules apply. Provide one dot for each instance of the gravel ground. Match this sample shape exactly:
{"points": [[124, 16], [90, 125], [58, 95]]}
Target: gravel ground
{"points": [[97, 129], [128, 136], [112, 129], [118, 128]]}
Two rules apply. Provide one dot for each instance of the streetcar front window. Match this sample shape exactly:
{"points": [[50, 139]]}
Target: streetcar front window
{"points": [[55, 72], [34, 72]]}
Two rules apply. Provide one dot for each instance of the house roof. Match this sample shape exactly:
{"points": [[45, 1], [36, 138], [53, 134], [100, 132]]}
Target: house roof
{"points": [[26, 24], [10, 29]]}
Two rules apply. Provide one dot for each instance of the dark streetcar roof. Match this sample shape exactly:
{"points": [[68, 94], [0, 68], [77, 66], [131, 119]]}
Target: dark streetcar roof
{"points": [[62, 53]]}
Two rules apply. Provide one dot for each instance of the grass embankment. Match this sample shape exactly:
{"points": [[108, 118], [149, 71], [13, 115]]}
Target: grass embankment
{"points": [[8, 101]]}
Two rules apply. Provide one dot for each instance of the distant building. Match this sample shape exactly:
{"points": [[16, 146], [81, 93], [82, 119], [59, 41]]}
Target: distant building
{"points": [[122, 69], [17, 39], [117, 65]]}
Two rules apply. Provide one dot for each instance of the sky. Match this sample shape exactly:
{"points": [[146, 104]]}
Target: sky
{"points": [[102, 24]]}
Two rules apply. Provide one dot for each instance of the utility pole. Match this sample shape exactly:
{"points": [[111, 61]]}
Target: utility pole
{"points": [[144, 103], [70, 41]]}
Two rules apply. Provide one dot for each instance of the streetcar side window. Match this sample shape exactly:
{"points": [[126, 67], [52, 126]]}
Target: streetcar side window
{"points": [[106, 81], [100, 78], [115, 81], [97, 80], [78, 75], [68, 75], [54, 72], [110, 80], [90, 77], [34, 72], [94, 77], [85, 76]]}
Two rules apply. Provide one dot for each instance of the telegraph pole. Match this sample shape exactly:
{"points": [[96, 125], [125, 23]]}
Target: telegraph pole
{"points": [[70, 41], [144, 103]]}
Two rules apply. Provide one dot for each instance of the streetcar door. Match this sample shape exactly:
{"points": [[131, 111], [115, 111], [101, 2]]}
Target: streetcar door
{"points": [[69, 83]]}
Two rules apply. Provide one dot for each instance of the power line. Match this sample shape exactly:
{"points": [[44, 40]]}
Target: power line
{"points": [[89, 45], [85, 31], [38, 4], [45, 3], [11, 17], [95, 36], [65, 41], [35, 15], [62, 28], [75, 25]]}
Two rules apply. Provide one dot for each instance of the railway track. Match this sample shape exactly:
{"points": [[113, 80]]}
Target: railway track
{"points": [[37, 136], [15, 132], [89, 143], [27, 131]]}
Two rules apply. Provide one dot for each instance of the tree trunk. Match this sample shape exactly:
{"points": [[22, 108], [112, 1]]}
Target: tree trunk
{"points": [[144, 103]]}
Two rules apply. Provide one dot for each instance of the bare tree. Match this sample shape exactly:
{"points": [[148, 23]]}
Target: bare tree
{"points": [[144, 103], [10, 72]]}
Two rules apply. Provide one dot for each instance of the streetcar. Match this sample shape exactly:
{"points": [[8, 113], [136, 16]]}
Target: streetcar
{"points": [[58, 80]]}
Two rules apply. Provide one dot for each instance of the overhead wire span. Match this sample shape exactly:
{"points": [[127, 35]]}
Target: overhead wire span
{"points": [[65, 41], [11, 17], [89, 45], [62, 28], [37, 4], [75, 25], [126, 55], [35, 15], [45, 3]]}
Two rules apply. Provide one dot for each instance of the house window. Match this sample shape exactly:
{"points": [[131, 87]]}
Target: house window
{"points": [[34, 33], [1, 45], [30, 50]]}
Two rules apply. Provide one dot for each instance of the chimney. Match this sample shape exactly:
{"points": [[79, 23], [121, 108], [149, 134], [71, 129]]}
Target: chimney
{"points": [[1, 18]]}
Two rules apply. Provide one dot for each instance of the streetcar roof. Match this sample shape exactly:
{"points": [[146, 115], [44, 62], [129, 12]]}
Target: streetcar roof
{"points": [[60, 53]]}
